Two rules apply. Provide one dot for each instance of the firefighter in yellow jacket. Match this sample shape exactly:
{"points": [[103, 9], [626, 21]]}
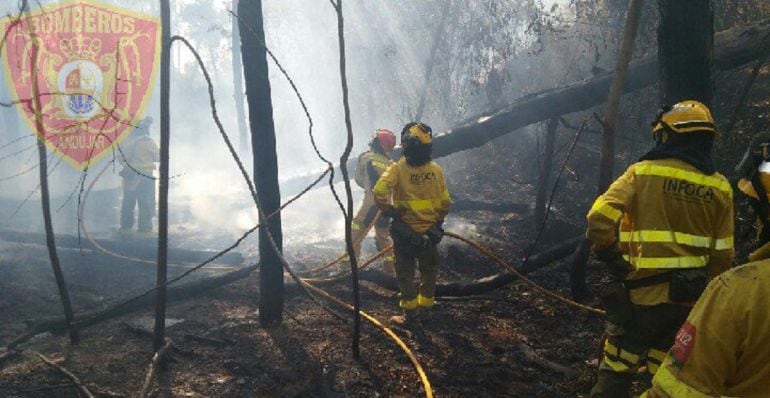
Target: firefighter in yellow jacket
{"points": [[420, 201], [371, 165], [723, 349], [138, 158], [676, 232]]}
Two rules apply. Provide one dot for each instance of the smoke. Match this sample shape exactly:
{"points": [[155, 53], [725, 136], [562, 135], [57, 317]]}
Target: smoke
{"points": [[388, 47]]}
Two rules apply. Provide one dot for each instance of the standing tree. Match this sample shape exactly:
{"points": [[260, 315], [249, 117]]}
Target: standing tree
{"points": [[685, 51], [437, 43], [265, 159], [243, 141], [44, 192], [606, 162], [165, 124], [544, 174]]}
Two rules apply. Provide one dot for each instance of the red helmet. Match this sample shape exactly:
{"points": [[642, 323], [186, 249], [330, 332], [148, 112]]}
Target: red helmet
{"points": [[386, 138]]}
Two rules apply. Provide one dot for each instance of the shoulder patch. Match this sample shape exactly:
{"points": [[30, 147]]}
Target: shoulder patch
{"points": [[683, 344]]}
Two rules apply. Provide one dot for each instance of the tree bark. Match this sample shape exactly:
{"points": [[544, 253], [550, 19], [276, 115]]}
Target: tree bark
{"points": [[437, 41], [607, 157], [686, 51], [254, 58], [544, 176], [240, 114], [733, 48], [45, 196], [165, 124], [348, 210], [742, 97]]}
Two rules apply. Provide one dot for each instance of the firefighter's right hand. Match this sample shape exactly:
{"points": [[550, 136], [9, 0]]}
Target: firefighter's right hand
{"points": [[614, 262], [609, 254]]}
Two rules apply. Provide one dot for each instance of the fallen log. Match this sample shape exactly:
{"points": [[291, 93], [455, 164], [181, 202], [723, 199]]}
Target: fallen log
{"points": [[732, 48], [482, 285], [175, 293], [146, 249], [201, 287]]}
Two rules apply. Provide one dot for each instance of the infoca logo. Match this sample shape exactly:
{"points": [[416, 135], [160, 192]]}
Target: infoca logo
{"points": [[688, 189], [420, 178]]}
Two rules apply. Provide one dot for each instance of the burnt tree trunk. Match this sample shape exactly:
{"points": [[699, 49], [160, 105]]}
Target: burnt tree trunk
{"points": [[348, 210], [733, 48], [254, 58], [165, 123], [544, 175], [240, 113], [437, 41], [607, 158], [742, 97], [44, 193], [686, 51]]}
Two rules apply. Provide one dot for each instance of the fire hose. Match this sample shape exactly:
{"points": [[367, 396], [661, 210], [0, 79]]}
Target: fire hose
{"points": [[100, 247]]}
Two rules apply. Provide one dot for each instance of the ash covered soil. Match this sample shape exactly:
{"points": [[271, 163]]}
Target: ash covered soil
{"points": [[496, 344]]}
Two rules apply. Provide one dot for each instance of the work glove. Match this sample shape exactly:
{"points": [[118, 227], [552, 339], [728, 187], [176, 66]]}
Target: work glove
{"points": [[614, 262], [421, 242], [435, 233]]}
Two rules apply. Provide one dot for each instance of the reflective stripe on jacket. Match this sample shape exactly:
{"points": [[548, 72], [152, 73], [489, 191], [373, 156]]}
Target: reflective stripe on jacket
{"points": [[671, 215], [724, 347], [420, 190], [380, 163]]}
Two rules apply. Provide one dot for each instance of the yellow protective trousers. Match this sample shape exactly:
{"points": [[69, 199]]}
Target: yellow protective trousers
{"points": [[643, 340], [361, 222], [408, 261]]}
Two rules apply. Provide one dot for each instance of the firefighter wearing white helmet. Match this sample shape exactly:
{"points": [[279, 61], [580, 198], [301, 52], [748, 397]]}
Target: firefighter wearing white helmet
{"points": [[371, 165], [675, 217]]}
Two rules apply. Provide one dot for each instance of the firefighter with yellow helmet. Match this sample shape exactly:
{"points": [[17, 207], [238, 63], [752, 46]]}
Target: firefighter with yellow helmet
{"points": [[723, 349], [371, 165], [420, 201], [676, 232]]}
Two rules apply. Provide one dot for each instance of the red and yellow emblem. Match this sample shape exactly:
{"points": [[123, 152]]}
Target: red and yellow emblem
{"points": [[95, 65]]}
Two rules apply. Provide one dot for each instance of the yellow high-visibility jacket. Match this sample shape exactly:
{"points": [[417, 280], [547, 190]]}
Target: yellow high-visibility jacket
{"points": [[672, 216], [724, 347], [380, 163], [420, 190], [141, 154]]}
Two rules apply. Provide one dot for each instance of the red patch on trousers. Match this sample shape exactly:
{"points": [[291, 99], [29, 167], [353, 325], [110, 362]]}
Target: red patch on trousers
{"points": [[683, 343]]}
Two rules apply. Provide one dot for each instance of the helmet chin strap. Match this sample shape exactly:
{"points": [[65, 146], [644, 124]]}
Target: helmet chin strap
{"points": [[662, 136]]}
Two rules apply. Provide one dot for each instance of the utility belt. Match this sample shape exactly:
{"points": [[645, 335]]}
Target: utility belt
{"points": [[685, 286], [404, 236]]}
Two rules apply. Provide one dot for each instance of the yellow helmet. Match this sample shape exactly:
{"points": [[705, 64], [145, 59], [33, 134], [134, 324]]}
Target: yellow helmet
{"points": [[685, 117], [416, 132], [746, 186]]}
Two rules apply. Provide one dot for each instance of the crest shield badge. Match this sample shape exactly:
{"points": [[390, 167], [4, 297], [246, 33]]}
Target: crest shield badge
{"points": [[95, 66]]}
